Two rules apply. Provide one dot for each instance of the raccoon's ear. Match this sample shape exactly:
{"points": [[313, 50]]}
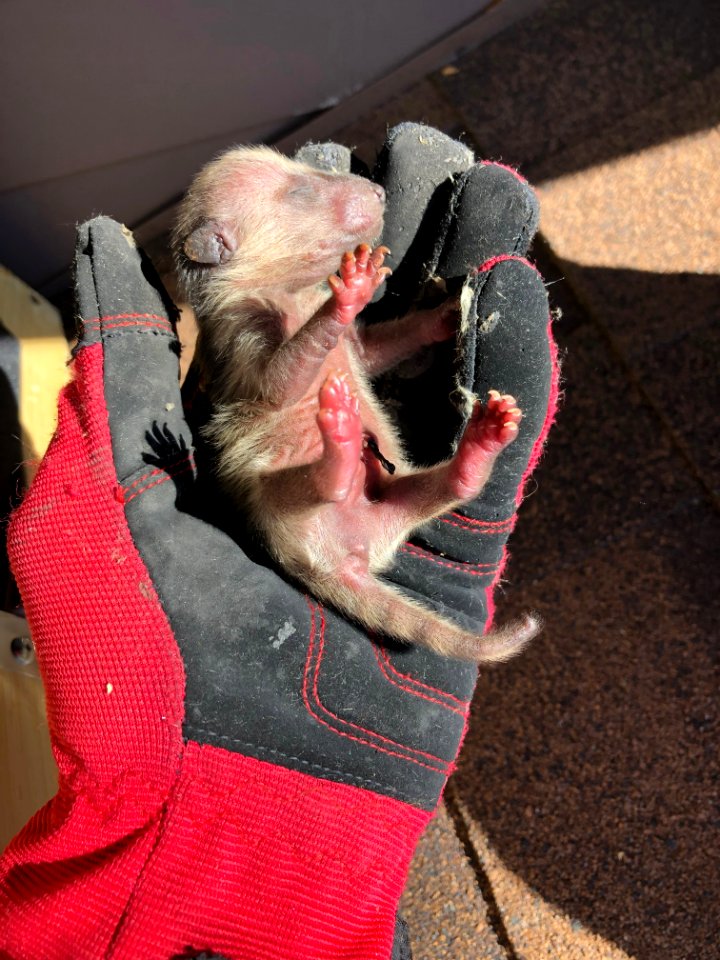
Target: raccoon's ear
{"points": [[211, 243]]}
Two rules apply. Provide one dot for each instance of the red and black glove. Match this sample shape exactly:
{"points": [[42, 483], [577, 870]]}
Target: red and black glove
{"points": [[243, 774]]}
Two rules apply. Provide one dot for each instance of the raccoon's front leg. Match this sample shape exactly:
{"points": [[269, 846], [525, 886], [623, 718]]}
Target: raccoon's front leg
{"points": [[383, 345], [298, 361]]}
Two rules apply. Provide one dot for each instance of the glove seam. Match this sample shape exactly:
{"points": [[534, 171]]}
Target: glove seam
{"points": [[480, 527], [461, 567], [139, 320], [155, 477], [261, 749], [384, 667], [445, 766]]}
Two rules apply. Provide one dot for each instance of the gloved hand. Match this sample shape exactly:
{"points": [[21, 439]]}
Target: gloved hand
{"points": [[243, 774]]}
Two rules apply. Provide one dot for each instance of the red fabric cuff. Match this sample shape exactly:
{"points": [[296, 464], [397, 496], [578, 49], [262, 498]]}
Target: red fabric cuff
{"points": [[249, 860]]}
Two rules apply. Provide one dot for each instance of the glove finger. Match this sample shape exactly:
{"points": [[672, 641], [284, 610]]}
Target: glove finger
{"points": [[506, 345], [493, 212], [108, 658], [123, 305], [414, 162], [447, 214], [329, 156]]}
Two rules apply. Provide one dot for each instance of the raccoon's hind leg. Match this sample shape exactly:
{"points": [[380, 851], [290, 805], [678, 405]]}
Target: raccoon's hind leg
{"points": [[490, 429], [338, 472], [360, 532], [428, 493]]}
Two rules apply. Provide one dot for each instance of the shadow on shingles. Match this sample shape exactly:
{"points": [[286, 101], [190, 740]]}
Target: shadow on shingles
{"points": [[592, 766], [577, 84], [611, 466], [592, 761]]}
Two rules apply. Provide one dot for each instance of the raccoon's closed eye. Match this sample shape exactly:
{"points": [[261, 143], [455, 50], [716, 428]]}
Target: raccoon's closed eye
{"points": [[302, 191]]}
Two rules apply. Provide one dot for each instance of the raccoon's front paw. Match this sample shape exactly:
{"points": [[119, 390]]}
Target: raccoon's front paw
{"points": [[361, 273]]}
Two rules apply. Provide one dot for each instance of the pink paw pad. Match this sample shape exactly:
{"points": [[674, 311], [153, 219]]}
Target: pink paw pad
{"points": [[495, 425], [338, 473], [361, 273], [491, 428], [339, 414]]}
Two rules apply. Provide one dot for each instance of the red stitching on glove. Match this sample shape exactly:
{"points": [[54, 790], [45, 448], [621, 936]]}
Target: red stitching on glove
{"points": [[484, 526], [97, 321], [503, 258], [472, 569], [184, 460], [382, 655], [445, 767], [166, 475]]}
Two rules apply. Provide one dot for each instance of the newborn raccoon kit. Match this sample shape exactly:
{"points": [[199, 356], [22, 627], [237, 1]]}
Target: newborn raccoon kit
{"points": [[302, 443]]}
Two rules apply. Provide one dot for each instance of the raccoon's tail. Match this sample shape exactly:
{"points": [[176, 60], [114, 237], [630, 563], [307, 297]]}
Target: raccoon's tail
{"points": [[377, 605]]}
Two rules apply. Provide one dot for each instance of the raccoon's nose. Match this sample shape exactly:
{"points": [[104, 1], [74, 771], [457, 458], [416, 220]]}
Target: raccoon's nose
{"points": [[379, 192]]}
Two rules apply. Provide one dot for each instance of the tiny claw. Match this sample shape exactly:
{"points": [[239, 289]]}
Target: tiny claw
{"points": [[349, 265], [362, 256], [336, 382], [508, 432]]}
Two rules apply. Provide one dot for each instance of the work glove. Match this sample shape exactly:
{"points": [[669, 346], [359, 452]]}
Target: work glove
{"points": [[242, 773]]}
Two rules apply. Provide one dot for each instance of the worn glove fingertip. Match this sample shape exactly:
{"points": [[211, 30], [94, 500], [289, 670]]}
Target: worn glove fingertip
{"points": [[124, 307], [494, 212], [416, 166], [414, 161], [115, 282], [328, 156], [505, 343]]}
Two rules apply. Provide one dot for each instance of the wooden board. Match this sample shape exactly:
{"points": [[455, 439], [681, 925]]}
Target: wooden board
{"points": [[28, 775], [43, 356]]}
